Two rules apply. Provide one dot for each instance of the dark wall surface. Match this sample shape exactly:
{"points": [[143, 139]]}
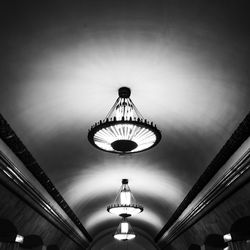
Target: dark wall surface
{"points": [[218, 221], [28, 221]]}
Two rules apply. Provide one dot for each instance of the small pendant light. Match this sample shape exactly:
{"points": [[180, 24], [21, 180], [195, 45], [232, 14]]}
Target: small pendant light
{"points": [[124, 231], [125, 204]]}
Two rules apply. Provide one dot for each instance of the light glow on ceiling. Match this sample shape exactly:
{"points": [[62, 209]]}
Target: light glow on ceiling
{"points": [[82, 188], [101, 64], [97, 217], [151, 218]]}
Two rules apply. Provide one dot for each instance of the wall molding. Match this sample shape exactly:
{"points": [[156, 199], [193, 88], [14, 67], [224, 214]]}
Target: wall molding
{"points": [[11, 176], [172, 228], [212, 198], [15, 144]]}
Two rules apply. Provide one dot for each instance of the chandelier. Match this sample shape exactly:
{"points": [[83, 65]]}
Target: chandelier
{"points": [[124, 130], [125, 204], [124, 231]]}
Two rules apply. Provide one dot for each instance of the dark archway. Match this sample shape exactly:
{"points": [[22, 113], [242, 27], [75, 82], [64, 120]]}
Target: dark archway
{"points": [[8, 231], [52, 247], [31, 241], [240, 233], [194, 247], [215, 241], [240, 230]]}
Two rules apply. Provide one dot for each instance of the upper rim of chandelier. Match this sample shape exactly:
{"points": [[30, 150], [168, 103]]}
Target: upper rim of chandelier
{"points": [[137, 209], [108, 123]]}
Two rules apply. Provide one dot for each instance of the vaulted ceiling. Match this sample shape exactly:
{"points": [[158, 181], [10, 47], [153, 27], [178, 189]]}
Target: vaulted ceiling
{"points": [[186, 62]]}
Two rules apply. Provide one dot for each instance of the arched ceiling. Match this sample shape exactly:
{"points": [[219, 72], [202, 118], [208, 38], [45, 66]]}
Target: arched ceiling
{"points": [[187, 65]]}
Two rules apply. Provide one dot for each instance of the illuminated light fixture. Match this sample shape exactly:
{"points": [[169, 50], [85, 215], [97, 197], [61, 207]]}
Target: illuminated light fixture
{"points": [[124, 130], [227, 237], [124, 231], [19, 239], [125, 204]]}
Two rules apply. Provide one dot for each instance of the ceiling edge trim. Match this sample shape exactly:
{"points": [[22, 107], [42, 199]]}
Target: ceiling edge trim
{"points": [[8, 135], [232, 144], [15, 181], [231, 181]]}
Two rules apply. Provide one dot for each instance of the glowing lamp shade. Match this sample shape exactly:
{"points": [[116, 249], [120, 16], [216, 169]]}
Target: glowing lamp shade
{"points": [[124, 227], [19, 239], [124, 231], [124, 130], [125, 204], [125, 197], [227, 237]]}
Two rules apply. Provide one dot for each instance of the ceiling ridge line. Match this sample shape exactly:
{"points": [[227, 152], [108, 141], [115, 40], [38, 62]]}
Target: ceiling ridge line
{"points": [[241, 133], [8, 135]]}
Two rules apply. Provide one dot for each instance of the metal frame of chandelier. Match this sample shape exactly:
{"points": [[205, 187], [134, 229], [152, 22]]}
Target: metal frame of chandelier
{"points": [[125, 204], [124, 231], [124, 130]]}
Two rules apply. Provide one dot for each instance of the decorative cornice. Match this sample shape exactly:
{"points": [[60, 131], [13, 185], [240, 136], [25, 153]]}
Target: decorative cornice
{"points": [[12, 173], [234, 142], [211, 198], [15, 144]]}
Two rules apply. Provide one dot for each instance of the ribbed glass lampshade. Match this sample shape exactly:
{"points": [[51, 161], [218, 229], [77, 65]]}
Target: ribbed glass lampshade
{"points": [[125, 204], [124, 231], [124, 130]]}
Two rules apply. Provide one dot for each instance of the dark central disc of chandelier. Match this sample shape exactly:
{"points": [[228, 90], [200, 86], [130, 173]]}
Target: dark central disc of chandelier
{"points": [[124, 145], [124, 130]]}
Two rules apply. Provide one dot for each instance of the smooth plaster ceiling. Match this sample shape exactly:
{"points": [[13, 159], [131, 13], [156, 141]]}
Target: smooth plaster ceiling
{"points": [[186, 62]]}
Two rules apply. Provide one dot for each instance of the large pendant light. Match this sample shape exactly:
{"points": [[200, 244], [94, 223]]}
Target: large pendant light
{"points": [[124, 130], [124, 231], [125, 204]]}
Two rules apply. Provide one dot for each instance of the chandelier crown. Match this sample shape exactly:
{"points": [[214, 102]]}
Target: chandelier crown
{"points": [[124, 92], [124, 181], [124, 130]]}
